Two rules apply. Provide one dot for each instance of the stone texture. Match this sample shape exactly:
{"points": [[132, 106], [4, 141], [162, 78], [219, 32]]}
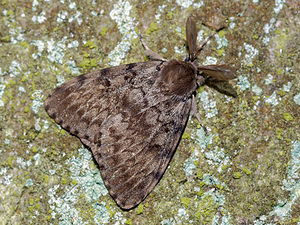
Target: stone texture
{"points": [[246, 171]]}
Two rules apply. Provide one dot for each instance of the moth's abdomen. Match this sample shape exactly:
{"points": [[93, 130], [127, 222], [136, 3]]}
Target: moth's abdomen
{"points": [[179, 78]]}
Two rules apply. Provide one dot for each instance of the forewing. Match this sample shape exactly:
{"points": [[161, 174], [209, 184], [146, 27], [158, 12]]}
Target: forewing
{"points": [[136, 148], [219, 72], [87, 100], [131, 126]]}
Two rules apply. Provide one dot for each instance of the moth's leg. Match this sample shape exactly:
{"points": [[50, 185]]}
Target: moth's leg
{"points": [[149, 53], [204, 42], [195, 113], [200, 80]]}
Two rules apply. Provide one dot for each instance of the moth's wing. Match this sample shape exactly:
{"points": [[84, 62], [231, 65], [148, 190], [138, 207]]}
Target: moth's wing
{"points": [[132, 128], [96, 93], [191, 37], [219, 72], [136, 148]]}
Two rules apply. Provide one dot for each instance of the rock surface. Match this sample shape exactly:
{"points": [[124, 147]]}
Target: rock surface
{"points": [[245, 171]]}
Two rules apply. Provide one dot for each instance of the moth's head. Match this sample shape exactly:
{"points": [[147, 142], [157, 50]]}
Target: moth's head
{"points": [[210, 73]]}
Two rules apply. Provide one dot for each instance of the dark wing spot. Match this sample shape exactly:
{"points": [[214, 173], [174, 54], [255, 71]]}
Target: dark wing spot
{"points": [[107, 82], [53, 115], [99, 154], [167, 130], [104, 72], [97, 139], [76, 132], [58, 88], [67, 128], [87, 137], [131, 80], [156, 147], [47, 107], [150, 82], [112, 130], [178, 128], [81, 78], [113, 195], [158, 67], [130, 66], [80, 112], [121, 202], [101, 167], [157, 175], [133, 72]]}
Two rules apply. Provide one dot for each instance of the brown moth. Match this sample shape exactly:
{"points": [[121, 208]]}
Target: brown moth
{"points": [[132, 116]]}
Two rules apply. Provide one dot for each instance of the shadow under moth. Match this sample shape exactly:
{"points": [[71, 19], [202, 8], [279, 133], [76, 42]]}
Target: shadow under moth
{"points": [[133, 116]]}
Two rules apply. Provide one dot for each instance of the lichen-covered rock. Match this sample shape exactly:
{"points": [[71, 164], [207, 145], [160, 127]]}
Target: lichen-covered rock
{"points": [[244, 171]]}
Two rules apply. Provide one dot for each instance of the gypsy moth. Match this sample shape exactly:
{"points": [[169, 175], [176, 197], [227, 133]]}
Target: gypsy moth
{"points": [[132, 116]]}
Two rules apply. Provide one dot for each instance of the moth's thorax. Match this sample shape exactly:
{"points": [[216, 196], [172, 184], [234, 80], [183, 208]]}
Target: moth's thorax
{"points": [[179, 77]]}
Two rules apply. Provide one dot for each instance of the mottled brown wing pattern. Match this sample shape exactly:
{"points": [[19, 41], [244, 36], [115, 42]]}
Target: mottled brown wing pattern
{"points": [[91, 93], [131, 126], [133, 163]]}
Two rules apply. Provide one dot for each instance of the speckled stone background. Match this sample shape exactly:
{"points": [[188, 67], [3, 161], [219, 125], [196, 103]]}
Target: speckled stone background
{"points": [[246, 171]]}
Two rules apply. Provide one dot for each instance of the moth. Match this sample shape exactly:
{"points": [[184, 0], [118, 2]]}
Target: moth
{"points": [[133, 116]]}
